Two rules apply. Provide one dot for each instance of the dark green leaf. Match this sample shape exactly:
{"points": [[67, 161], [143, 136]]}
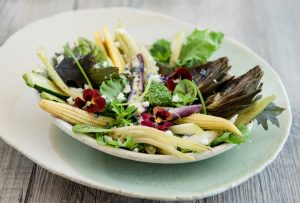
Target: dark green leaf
{"points": [[269, 113], [161, 50]]}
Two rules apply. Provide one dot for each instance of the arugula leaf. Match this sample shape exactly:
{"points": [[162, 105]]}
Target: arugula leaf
{"points": [[232, 138], [186, 91], [199, 46], [112, 88], [269, 113], [106, 140], [161, 50], [123, 115]]}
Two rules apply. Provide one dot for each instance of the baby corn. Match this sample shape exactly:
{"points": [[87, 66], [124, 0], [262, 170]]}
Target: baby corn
{"points": [[73, 115], [210, 122]]}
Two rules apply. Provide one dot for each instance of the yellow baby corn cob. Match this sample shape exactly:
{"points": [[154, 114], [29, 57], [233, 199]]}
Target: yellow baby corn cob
{"points": [[73, 115], [100, 43], [112, 50], [209, 122]]}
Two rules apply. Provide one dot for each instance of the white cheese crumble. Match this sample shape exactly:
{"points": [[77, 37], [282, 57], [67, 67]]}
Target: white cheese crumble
{"points": [[127, 89], [141, 106], [121, 97], [59, 58], [176, 98], [78, 90], [71, 101], [107, 138], [135, 62], [169, 133]]}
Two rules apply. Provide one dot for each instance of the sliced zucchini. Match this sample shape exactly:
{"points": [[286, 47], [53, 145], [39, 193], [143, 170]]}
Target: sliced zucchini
{"points": [[51, 97], [43, 84]]}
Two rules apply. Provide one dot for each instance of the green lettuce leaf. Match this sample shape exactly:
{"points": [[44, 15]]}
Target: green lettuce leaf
{"points": [[112, 88], [161, 50], [199, 46], [228, 137]]}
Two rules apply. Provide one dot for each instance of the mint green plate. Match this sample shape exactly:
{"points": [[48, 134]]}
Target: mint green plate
{"points": [[28, 129]]}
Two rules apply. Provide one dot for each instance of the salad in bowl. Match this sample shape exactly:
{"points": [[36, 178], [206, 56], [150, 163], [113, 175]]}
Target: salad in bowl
{"points": [[166, 99]]}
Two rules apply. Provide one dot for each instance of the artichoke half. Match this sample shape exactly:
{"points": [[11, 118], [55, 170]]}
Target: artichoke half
{"points": [[236, 94], [211, 76]]}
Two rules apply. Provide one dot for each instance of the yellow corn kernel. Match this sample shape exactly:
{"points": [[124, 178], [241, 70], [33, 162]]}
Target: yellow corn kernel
{"points": [[73, 115], [209, 122]]}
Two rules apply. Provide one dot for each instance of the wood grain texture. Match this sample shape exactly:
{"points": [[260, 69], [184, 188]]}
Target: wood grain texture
{"points": [[271, 28]]}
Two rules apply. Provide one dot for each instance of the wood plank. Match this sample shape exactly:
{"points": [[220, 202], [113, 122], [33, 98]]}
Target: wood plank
{"points": [[15, 171], [268, 27]]}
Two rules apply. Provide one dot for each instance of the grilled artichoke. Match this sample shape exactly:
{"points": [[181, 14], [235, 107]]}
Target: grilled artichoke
{"points": [[211, 76], [236, 94]]}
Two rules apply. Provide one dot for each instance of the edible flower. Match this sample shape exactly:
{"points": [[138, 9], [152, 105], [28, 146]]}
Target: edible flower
{"points": [[161, 119], [178, 75], [92, 101]]}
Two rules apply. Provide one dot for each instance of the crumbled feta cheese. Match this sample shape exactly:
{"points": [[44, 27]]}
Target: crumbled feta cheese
{"points": [[155, 78], [176, 81], [86, 86], [59, 58], [146, 104], [176, 98], [71, 101], [78, 90], [127, 89], [140, 107], [117, 44], [121, 97], [135, 62], [107, 138], [169, 133], [204, 139]]}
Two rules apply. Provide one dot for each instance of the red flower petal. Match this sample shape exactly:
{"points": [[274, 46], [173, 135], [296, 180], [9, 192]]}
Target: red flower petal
{"points": [[171, 85], [146, 116], [164, 126], [92, 108], [183, 73], [148, 124], [99, 102], [88, 94], [179, 73], [79, 103], [162, 113]]}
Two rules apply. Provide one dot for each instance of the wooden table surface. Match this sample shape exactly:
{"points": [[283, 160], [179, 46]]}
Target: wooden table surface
{"points": [[270, 27]]}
